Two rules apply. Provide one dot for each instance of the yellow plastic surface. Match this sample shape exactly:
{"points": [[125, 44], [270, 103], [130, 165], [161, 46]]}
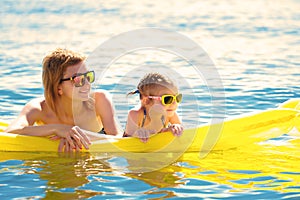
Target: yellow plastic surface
{"points": [[233, 133]]}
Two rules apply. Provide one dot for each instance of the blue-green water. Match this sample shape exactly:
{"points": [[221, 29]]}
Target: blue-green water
{"points": [[255, 48]]}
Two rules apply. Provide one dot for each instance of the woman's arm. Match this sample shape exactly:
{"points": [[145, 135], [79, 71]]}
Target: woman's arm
{"points": [[104, 109], [31, 113], [28, 116]]}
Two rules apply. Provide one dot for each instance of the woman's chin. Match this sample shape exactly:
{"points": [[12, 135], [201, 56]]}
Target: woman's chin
{"points": [[82, 97]]}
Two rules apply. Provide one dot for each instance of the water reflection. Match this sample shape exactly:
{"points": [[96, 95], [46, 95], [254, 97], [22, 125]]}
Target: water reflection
{"points": [[255, 47], [82, 175]]}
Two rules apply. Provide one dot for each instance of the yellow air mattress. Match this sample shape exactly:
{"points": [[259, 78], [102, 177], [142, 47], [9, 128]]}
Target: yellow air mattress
{"points": [[241, 131]]}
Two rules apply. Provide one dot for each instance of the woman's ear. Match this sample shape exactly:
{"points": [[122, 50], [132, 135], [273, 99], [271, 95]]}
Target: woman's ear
{"points": [[59, 90]]}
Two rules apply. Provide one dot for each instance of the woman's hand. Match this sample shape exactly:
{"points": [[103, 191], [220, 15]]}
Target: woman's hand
{"points": [[71, 138], [143, 134], [65, 146]]}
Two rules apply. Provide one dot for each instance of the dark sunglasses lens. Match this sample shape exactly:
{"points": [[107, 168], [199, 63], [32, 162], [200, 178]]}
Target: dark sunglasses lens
{"points": [[179, 98], [168, 100], [90, 76]]}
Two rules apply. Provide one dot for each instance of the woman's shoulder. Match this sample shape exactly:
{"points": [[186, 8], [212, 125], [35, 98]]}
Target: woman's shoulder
{"points": [[101, 101], [34, 108], [101, 95], [36, 103]]}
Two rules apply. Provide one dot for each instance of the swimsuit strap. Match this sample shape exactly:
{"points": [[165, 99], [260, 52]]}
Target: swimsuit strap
{"points": [[102, 131], [144, 118], [163, 121]]}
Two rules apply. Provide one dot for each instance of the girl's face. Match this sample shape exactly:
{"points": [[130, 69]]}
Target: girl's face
{"points": [[68, 89], [169, 109]]}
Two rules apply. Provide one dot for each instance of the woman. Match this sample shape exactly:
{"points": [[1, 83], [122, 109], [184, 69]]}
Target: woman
{"points": [[67, 107]]}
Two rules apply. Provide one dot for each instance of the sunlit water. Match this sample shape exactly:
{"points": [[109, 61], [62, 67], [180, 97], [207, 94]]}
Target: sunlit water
{"points": [[255, 48]]}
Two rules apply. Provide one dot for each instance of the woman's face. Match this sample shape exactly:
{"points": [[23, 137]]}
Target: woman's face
{"points": [[68, 88]]}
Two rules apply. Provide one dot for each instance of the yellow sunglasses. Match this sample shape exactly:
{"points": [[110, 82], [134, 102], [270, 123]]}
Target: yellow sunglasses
{"points": [[167, 99]]}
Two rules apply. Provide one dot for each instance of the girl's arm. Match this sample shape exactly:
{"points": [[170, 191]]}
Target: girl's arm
{"points": [[131, 124], [105, 109], [133, 129], [175, 119], [176, 127]]}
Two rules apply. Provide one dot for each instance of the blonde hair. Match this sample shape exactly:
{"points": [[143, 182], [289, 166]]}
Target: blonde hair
{"points": [[54, 66], [152, 82]]}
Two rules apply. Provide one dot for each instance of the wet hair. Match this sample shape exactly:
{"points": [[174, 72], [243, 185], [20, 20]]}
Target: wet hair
{"points": [[152, 82], [54, 67]]}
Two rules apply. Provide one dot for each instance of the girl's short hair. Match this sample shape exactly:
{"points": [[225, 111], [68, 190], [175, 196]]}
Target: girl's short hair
{"points": [[151, 82], [54, 66]]}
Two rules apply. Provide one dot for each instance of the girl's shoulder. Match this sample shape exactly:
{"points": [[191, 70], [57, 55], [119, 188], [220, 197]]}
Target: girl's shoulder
{"points": [[135, 113]]}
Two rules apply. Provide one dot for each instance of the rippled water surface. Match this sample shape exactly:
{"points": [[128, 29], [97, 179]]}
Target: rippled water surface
{"points": [[254, 46]]}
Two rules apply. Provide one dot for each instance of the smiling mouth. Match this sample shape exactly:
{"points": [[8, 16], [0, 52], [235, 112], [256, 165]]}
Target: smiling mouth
{"points": [[84, 92], [170, 110]]}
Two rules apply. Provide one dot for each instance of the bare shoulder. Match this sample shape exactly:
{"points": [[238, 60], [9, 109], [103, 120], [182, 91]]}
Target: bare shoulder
{"points": [[30, 113], [101, 95], [35, 105], [133, 114], [103, 103]]}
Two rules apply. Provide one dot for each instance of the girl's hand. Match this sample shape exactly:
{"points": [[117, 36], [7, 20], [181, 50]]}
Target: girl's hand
{"points": [[143, 134], [176, 129]]}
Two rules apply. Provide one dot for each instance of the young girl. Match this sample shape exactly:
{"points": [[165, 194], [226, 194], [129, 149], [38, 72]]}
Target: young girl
{"points": [[159, 100], [67, 107]]}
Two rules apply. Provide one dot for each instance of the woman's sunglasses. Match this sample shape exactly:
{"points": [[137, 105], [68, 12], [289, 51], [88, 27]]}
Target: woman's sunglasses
{"points": [[168, 98], [79, 79]]}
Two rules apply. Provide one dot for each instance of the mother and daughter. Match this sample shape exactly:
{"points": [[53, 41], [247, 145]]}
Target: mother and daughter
{"points": [[69, 110]]}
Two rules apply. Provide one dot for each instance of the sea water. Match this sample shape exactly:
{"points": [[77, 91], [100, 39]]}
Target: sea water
{"points": [[254, 47]]}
